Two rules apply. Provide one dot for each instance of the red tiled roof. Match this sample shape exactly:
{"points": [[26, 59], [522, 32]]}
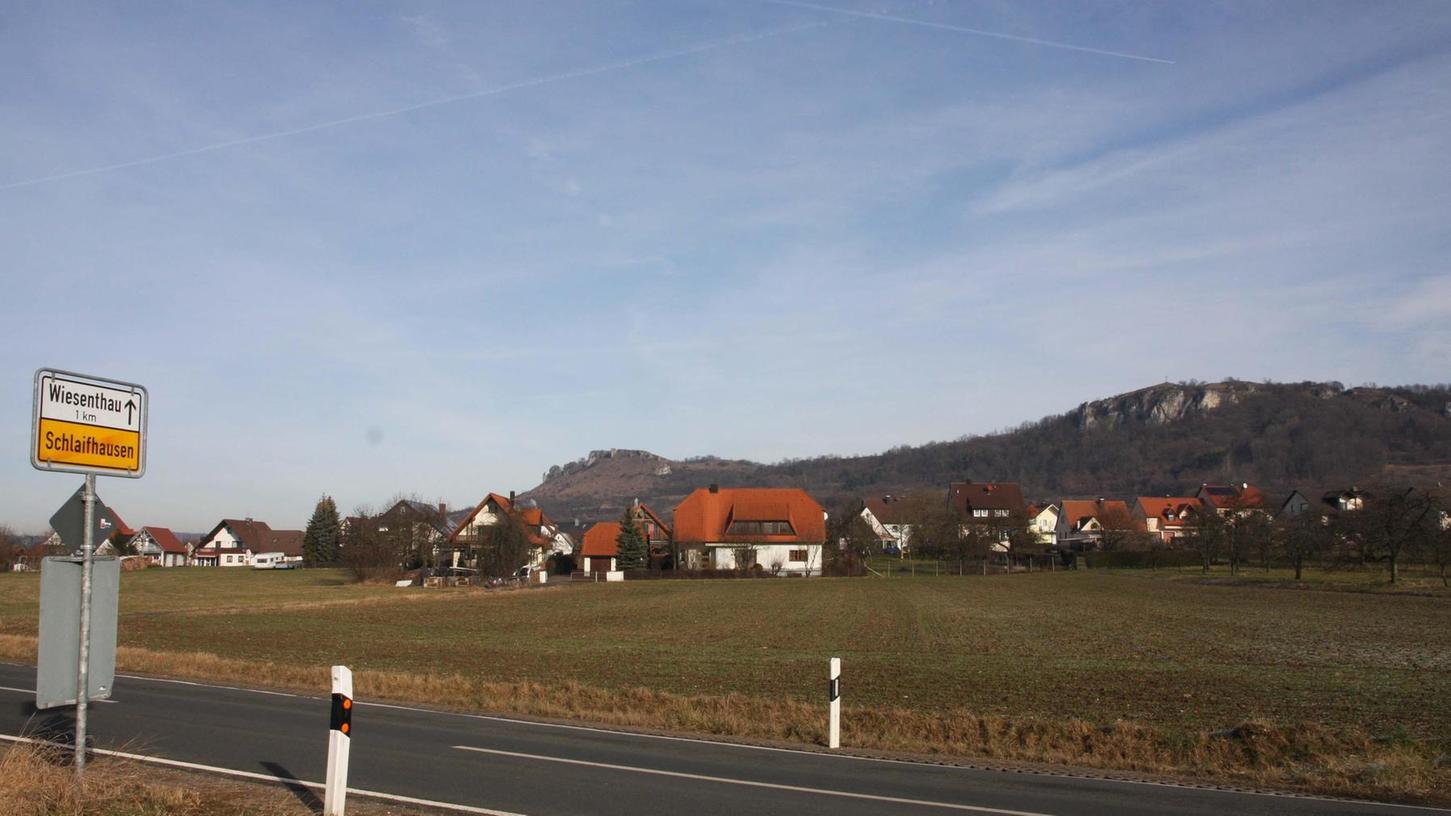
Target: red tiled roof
{"points": [[599, 540], [535, 517], [165, 539], [704, 516], [121, 528], [1168, 508], [1233, 497], [1079, 511], [502, 502]]}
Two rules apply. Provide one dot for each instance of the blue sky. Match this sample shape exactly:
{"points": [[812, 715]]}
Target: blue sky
{"points": [[365, 248]]}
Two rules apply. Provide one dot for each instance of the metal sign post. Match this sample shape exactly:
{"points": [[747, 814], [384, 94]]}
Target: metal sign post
{"points": [[88, 548], [89, 425]]}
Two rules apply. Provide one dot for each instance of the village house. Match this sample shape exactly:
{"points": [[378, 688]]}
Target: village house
{"points": [[991, 508], [1089, 524], [1167, 519], [986, 502], [1344, 501], [779, 530], [1232, 500], [1043, 523], [888, 518], [1292, 505], [160, 547], [599, 551], [471, 530], [236, 542]]}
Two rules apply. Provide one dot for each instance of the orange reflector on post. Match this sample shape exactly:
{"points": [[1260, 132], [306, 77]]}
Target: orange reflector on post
{"points": [[342, 719]]}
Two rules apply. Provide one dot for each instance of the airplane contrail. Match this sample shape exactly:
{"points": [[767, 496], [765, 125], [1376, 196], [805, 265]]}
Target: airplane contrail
{"points": [[891, 18], [709, 45]]}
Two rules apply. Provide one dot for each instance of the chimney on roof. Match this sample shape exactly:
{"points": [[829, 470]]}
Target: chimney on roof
{"points": [[442, 509], [714, 488], [511, 497]]}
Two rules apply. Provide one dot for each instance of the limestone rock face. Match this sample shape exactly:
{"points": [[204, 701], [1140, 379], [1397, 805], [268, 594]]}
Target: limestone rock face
{"points": [[1160, 404], [597, 456]]}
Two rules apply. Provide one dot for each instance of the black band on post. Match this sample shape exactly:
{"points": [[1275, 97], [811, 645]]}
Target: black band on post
{"points": [[342, 718]]}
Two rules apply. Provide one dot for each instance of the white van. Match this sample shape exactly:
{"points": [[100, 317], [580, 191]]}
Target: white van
{"points": [[272, 560]]}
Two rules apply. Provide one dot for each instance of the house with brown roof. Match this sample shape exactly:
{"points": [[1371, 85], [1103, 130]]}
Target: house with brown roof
{"points": [[1167, 519], [983, 502], [994, 508], [236, 542], [1232, 500], [160, 546], [780, 530], [890, 518], [1085, 523]]}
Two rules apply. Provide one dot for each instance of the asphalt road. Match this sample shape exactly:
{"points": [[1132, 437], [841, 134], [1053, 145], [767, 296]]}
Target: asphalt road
{"points": [[496, 764]]}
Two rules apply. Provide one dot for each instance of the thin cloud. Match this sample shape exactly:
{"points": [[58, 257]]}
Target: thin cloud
{"points": [[892, 18], [596, 70]]}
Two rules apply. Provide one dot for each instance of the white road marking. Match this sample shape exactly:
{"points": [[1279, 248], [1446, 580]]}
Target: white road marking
{"points": [[752, 784], [32, 691], [192, 766]]}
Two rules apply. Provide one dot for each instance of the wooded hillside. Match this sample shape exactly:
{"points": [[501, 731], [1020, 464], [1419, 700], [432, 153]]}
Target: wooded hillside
{"points": [[1163, 439]]}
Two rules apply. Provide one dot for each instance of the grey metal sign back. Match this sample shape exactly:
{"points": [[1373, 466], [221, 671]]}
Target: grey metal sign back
{"points": [[69, 522], [56, 680]]}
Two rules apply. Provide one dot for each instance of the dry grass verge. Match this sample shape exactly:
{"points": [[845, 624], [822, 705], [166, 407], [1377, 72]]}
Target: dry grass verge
{"points": [[39, 781], [1308, 758]]}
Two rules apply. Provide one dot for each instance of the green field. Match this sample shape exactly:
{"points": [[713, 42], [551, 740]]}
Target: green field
{"points": [[1161, 649], [1100, 646]]}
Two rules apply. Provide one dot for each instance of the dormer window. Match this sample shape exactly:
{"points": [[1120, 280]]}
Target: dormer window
{"points": [[756, 528]]}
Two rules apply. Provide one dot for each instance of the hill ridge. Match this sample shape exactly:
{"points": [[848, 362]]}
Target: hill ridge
{"points": [[1161, 438]]}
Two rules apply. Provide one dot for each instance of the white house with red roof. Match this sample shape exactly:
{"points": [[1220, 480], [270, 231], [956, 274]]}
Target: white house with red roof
{"points": [[160, 546], [776, 529]]}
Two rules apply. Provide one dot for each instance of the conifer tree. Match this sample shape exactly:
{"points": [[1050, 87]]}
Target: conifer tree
{"points": [[633, 551], [320, 541]]}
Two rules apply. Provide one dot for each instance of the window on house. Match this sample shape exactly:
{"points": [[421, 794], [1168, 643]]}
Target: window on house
{"points": [[1000, 513], [798, 556], [754, 528], [979, 513]]}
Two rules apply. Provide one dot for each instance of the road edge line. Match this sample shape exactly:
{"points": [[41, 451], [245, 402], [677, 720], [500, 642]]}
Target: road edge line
{"points": [[262, 777]]}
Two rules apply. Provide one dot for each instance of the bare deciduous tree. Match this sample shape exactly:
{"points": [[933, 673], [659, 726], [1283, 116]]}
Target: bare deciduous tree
{"points": [[1302, 537], [1393, 523]]}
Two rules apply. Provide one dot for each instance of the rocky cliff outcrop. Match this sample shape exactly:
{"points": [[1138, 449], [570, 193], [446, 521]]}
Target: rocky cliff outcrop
{"points": [[661, 468], [1160, 404]]}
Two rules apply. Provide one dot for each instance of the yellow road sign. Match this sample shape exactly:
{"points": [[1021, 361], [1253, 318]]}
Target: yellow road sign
{"points": [[84, 424]]}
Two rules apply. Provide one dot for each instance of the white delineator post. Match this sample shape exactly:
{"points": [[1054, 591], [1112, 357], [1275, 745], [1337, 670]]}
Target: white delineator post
{"points": [[339, 738], [833, 734]]}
